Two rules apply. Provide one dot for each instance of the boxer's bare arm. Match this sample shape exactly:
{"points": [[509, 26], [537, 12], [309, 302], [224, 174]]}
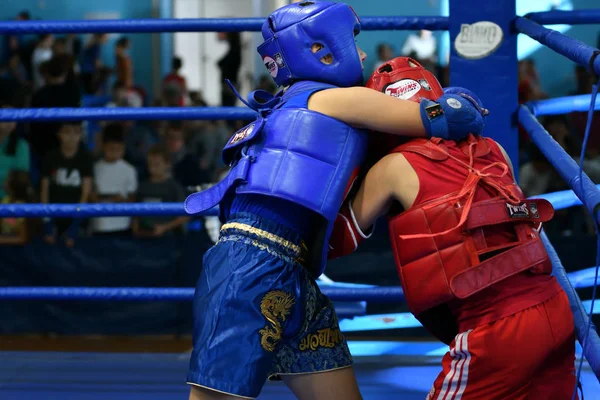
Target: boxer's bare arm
{"points": [[391, 179], [369, 109], [508, 160]]}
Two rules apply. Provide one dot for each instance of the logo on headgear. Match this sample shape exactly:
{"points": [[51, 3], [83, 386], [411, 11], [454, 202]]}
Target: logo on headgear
{"points": [[404, 89], [424, 84], [279, 60], [271, 66]]}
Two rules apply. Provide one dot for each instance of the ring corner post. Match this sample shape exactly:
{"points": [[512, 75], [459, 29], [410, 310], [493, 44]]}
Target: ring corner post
{"points": [[483, 58]]}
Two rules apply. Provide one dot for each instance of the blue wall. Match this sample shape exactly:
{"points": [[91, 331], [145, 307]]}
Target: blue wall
{"points": [[141, 44], [368, 41]]}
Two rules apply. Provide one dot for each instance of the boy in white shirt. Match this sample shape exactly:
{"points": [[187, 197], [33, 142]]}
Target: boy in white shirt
{"points": [[115, 181]]}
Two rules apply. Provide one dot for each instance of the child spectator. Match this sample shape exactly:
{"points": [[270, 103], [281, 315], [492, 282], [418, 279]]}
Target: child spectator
{"points": [[66, 178], [42, 53], [175, 85], [14, 151], [56, 93], [14, 231], [160, 188], [115, 181], [185, 166]]}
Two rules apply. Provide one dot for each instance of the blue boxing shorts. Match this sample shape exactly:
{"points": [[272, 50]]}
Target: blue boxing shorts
{"points": [[258, 314]]}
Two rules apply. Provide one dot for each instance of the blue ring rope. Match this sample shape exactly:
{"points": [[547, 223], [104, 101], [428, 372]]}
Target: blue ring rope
{"points": [[126, 113], [560, 160], [166, 25], [586, 338], [370, 294], [562, 105], [560, 200], [573, 49], [573, 17]]}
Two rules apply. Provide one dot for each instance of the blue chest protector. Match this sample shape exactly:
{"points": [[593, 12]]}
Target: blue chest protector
{"points": [[294, 154]]}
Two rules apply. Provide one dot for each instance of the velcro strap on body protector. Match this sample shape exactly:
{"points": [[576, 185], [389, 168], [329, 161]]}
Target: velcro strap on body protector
{"points": [[496, 269], [494, 212]]}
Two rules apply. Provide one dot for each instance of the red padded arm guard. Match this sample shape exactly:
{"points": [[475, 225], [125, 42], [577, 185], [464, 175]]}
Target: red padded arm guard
{"points": [[346, 235]]}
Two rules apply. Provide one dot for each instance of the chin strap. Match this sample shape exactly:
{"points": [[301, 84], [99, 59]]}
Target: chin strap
{"points": [[258, 100]]}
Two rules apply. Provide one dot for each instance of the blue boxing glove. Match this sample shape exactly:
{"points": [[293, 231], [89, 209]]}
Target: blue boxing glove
{"points": [[454, 115], [469, 95]]}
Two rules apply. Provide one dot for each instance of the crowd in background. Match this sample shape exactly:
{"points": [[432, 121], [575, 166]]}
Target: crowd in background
{"points": [[161, 161]]}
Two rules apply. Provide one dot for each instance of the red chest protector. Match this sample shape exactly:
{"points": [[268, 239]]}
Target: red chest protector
{"points": [[440, 245]]}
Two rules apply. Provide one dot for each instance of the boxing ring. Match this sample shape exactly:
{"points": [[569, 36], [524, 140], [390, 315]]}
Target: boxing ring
{"points": [[95, 375]]}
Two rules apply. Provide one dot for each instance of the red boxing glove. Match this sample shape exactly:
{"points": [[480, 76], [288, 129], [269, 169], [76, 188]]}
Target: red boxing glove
{"points": [[346, 235]]}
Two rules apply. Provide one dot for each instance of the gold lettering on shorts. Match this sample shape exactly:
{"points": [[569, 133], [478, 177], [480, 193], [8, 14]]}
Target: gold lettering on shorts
{"points": [[323, 338], [275, 307]]}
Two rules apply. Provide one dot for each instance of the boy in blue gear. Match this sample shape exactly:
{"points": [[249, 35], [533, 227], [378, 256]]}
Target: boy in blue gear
{"points": [[258, 311]]}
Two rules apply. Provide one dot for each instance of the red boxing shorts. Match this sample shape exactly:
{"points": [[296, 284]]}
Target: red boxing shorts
{"points": [[527, 355]]}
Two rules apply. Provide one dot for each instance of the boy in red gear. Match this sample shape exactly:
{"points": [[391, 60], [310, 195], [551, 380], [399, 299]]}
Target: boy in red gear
{"points": [[472, 266]]}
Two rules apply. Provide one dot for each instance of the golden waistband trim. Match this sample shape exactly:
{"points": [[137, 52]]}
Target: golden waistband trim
{"points": [[263, 234]]}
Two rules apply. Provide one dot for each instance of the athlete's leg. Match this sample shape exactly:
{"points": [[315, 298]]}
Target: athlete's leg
{"points": [[339, 384], [555, 379], [316, 363], [248, 302], [198, 393], [497, 361]]}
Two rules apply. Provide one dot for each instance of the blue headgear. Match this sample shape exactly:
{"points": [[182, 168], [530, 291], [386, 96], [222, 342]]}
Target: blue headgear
{"points": [[290, 33]]}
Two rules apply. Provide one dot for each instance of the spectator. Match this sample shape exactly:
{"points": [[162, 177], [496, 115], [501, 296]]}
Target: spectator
{"points": [[229, 66], [206, 142], [123, 65], [124, 97], [41, 54], [583, 81], [175, 86], [115, 181], [15, 72], [384, 54], [60, 51], [530, 87], [14, 151], [14, 231], [185, 166], [197, 98], [55, 94], [73, 45], [66, 178], [91, 64], [160, 188], [15, 44], [536, 175], [423, 47]]}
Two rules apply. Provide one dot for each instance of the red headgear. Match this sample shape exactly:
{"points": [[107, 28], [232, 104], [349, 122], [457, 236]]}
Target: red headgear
{"points": [[405, 79]]}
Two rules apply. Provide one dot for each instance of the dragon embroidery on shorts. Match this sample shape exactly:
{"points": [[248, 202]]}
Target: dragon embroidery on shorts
{"points": [[275, 307]]}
